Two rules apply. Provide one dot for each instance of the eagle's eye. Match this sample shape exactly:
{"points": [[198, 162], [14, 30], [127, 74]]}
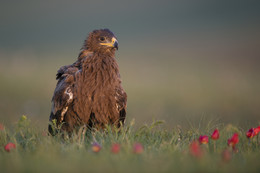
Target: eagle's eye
{"points": [[102, 38]]}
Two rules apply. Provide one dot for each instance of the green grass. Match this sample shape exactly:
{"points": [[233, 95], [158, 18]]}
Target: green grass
{"points": [[164, 150]]}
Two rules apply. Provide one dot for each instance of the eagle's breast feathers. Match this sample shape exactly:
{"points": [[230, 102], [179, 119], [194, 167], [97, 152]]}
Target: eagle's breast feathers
{"points": [[89, 91]]}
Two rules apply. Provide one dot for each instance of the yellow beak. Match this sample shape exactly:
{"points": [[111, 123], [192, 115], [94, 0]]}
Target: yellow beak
{"points": [[113, 43]]}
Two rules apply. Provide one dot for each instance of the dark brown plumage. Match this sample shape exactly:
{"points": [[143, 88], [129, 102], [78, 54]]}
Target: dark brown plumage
{"points": [[89, 91]]}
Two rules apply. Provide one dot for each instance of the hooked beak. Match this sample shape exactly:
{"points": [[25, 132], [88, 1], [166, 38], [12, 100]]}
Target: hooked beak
{"points": [[113, 43], [116, 44]]}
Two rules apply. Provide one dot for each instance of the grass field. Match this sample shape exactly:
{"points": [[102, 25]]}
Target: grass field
{"points": [[163, 150]]}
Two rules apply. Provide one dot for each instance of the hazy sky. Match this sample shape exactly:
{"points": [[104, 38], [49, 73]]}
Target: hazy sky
{"points": [[38, 24]]}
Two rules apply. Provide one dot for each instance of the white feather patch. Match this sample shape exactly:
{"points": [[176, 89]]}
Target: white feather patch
{"points": [[63, 113], [69, 93]]}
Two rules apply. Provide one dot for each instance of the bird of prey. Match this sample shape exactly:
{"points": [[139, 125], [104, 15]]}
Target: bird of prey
{"points": [[89, 91]]}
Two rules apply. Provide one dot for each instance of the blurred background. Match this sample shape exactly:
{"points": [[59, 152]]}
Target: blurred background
{"points": [[180, 60]]}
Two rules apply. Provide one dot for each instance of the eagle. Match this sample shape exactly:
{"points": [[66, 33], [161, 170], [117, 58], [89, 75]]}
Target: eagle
{"points": [[89, 91]]}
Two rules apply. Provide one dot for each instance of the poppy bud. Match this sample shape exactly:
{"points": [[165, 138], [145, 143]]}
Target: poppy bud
{"points": [[9, 147], [215, 135], [233, 140]]}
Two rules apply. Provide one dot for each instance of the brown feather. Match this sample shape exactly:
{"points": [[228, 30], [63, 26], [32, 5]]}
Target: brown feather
{"points": [[95, 85]]}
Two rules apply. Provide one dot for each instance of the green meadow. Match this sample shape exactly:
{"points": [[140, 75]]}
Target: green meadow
{"points": [[163, 150]]}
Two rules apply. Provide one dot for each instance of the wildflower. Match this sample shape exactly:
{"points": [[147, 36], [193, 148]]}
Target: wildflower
{"points": [[138, 148], [115, 148], [96, 147], [233, 140], [204, 139], [250, 133], [9, 146], [215, 135], [257, 130], [195, 149], [23, 118], [2, 127]]}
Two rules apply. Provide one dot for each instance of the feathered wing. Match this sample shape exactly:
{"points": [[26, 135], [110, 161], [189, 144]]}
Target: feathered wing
{"points": [[121, 99], [63, 94]]}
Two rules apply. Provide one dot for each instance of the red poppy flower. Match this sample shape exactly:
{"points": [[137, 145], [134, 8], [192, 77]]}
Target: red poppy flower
{"points": [[195, 149], [257, 130], [138, 148], [9, 147], [250, 133], [96, 147], [215, 135], [204, 139], [115, 148], [233, 140]]}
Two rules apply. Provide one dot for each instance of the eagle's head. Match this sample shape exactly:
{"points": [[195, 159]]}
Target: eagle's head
{"points": [[102, 40]]}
